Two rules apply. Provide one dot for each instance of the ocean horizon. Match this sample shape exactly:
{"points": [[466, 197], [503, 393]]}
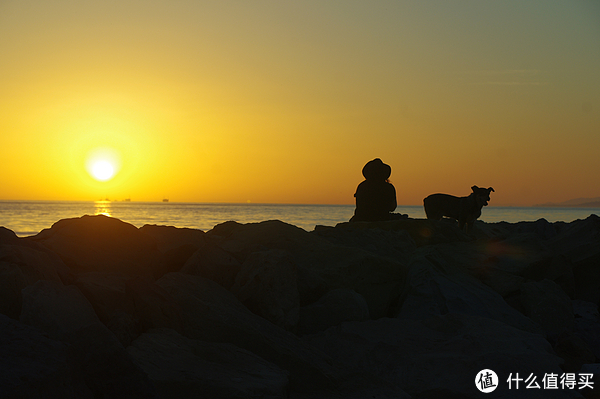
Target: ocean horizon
{"points": [[28, 218]]}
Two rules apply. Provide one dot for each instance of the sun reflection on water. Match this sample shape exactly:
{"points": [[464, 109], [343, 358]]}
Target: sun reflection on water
{"points": [[102, 208]]}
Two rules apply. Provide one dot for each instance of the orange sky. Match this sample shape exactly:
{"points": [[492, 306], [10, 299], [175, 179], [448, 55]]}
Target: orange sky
{"points": [[284, 102]]}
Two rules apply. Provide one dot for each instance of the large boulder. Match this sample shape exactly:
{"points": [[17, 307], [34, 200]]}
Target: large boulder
{"points": [[267, 285], [33, 365], [168, 238], [578, 242], [35, 264], [383, 238], [574, 351], [422, 231], [64, 314], [57, 309], [108, 295], [212, 262], [587, 324], [129, 306], [547, 304], [101, 243], [322, 265], [440, 357], [240, 240], [183, 368], [23, 263], [176, 245], [438, 286], [332, 309], [12, 281], [213, 314]]}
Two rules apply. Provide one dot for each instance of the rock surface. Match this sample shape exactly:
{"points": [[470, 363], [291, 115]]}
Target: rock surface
{"points": [[267, 284], [182, 367], [101, 243], [65, 315], [94, 307]]}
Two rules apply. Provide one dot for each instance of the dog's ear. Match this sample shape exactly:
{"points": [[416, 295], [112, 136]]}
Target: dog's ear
{"points": [[474, 188], [491, 189]]}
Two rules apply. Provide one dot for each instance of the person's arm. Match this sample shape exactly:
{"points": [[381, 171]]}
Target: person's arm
{"points": [[392, 200]]}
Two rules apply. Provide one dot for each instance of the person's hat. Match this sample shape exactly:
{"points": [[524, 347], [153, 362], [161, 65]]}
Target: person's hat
{"points": [[376, 170]]}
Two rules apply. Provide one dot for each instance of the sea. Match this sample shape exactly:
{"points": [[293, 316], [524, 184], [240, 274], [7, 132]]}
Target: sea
{"points": [[28, 218]]}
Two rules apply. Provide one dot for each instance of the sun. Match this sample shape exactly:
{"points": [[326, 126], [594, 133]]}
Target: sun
{"points": [[103, 164], [102, 170]]}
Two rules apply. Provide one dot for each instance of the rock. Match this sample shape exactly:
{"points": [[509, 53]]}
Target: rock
{"points": [[334, 308], [65, 314], [379, 238], [56, 309], [540, 228], [358, 386], [440, 356], [578, 242], [109, 371], [493, 231], [176, 245], [12, 282], [422, 231], [174, 259], [437, 286], [35, 366], [378, 279], [587, 324], [7, 236], [182, 367], [557, 268], [114, 307], [574, 350], [22, 264], [267, 286], [101, 243], [213, 314], [154, 306], [383, 309], [500, 265], [241, 240], [548, 305], [34, 264], [587, 279], [168, 238], [311, 286], [129, 306], [212, 262]]}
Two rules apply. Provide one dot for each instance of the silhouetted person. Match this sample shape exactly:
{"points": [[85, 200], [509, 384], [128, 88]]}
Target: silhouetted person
{"points": [[376, 196]]}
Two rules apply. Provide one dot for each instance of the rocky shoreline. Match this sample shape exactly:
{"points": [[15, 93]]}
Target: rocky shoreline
{"points": [[97, 308]]}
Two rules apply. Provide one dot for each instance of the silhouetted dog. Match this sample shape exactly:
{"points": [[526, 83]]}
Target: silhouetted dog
{"points": [[464, 209]]}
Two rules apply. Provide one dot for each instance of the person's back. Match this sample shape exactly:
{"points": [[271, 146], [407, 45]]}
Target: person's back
{"points": [[376, 196]]}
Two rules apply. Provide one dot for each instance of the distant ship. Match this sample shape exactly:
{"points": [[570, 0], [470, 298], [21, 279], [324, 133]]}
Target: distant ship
{"points": [[165, 200]]}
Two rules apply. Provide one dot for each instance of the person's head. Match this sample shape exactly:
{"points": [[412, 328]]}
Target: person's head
{"points": [[376, 170]]}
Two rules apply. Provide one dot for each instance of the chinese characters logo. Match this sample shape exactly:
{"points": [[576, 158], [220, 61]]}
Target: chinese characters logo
{"points": [[486, 381]]}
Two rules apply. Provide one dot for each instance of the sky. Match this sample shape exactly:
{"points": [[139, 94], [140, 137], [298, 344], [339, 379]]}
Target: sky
{"points": [[285, 101]]}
